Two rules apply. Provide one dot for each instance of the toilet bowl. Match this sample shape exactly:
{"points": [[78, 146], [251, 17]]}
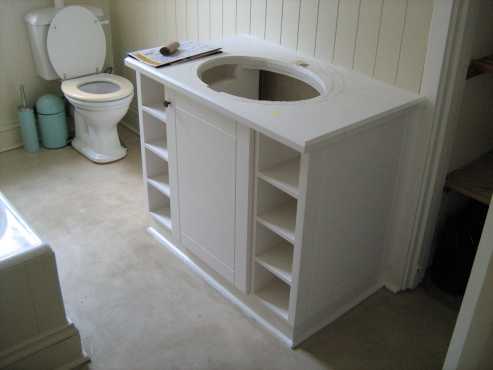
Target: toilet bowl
{"points": [[100, 102], [70, 44]]}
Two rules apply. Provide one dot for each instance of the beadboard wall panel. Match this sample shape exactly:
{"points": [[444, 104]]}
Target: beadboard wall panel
{"points": [[385, 39]]}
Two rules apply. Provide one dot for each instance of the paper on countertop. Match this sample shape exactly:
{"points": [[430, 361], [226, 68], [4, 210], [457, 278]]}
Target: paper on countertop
{"points": [[188, 50]]}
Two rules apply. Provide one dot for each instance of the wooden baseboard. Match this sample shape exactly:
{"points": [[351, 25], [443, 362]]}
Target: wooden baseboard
{"points": [[10, 137], [244, 306], [57, 349]]}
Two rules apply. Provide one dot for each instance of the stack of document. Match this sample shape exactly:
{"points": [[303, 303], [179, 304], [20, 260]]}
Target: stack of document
{"points": [[188, 50]]}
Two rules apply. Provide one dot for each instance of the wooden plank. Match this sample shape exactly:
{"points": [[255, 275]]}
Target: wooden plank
{"points": [[244, 8], [347, 28], [259, 9], [308, 26], [216, 19], [290, 23], [204, 18], [370, 19], [414, 44], [390, 38], [229, 18], [474, 180], [192, 20], [274, 21], [171, 34], [326, 32]]}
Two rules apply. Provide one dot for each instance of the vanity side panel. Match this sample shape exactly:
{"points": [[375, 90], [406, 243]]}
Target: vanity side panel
{"points": [[349, 191], [173, 165]]}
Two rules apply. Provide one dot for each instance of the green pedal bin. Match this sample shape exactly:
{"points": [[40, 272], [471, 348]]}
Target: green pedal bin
{"points": [[52, 121]]}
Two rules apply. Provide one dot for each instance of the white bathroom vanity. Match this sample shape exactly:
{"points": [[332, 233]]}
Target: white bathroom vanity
{"points": [[275, 177]]}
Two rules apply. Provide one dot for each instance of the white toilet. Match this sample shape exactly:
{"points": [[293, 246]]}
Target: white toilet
{"points": [[69, 43]]}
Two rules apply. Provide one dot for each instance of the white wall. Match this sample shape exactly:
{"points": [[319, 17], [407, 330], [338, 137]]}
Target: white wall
{"points": [[16, 65], [382, 38], [385, 39]]}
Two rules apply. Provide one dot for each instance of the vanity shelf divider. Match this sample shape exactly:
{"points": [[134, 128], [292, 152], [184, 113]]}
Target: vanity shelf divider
{"points": [[275, 296], [279, 261], [277, 170], [157, 110], [281, 220], [284, 176], [163, 217], [161, 183], [158, 148]]}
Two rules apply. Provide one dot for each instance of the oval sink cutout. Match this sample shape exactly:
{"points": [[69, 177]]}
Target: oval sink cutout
{"points": [[260, 79]]}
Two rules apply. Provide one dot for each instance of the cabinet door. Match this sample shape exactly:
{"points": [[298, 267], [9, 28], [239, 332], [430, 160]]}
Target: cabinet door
{"points": [[206, 148]]}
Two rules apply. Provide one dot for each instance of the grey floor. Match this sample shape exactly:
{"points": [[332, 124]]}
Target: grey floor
{"points": [[138, 307]]}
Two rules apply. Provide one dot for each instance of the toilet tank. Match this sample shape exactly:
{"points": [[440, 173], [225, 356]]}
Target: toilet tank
{"points": [[38, 23]]}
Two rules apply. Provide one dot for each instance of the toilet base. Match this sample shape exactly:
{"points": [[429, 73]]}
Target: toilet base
{"points": [[95, 157]]}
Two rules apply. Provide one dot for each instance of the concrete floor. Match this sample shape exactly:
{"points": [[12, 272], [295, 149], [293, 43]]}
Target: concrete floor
{"points": [[138, 307]]}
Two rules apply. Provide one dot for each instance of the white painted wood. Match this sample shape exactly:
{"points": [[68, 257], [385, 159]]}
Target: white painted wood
{"points": [[171, 26], [181, 20], [248, 305], [414, 41], [204, 19], [275, 295], [161, 183], [290, 23], [308, 26], [284, 176], [244, 8], [385, 39], [354, 100], [274, 20], [370, 16], [156, 110], [448, 56], [172, 167], [258, 14], [207, 166], [390, 39], [216, 19], [158, 148], [192, 19], [281, 220], [279, 261], [334, 228], [328, 14], [163, 216], [347, 28], [229, 18], [244, 212]]}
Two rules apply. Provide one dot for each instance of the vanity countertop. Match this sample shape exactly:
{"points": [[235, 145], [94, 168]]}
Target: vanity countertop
{"points": [[353, 100]]}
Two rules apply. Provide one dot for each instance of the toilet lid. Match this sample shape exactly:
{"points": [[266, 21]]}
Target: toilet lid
{"points": [[76, 43]]}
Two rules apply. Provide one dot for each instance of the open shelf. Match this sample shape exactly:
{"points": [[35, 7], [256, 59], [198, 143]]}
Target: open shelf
{"points": [[162, 216], [275, 295], [284, 176], [157, 110], [157, 147], [279, 261], [161, 183], [474, 180], [281, 220]]}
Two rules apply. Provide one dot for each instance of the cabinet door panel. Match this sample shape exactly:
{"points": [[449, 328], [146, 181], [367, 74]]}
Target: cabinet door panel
{"points": [[207, 172]]}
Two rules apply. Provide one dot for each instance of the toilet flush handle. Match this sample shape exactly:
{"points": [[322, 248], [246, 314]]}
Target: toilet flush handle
{"points": [[166, 103]]}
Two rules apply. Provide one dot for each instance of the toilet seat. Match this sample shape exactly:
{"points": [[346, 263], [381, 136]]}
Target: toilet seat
{"points": [[100, 87]]}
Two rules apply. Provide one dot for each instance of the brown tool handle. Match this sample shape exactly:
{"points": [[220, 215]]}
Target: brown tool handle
{"points": [[170, 49]]}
